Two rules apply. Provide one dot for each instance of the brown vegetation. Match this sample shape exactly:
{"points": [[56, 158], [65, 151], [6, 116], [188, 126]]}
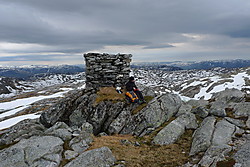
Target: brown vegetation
{"points": [[227, 163], [109, 94], [146, 155]]}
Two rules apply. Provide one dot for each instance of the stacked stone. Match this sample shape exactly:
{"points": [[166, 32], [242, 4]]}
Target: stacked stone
{"points": [[107, 69]]}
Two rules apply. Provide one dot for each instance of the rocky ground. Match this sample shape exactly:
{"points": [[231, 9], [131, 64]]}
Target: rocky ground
{"points": [[75, 129], [64, 133]]}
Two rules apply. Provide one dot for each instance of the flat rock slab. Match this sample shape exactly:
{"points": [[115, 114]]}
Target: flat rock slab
{"points": [[236, 122], [223, 132], [214, 154], [242, 109], [248, 122], [243, 155], [175, 129], [229, 95], [203, 135], [101, 157], [37, 151]]}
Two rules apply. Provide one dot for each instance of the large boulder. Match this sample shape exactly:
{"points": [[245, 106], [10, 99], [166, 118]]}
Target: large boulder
{"points": [[81, 142], [83, 107], [184, 109], [229, 95], [22, 130], [117, 125], [175, 129], [203, 135], [218, 109], [223, 132], [214, 154], [236, 122], [198, 103], [242, 109], [201, 111], [248, 122], [243, 154], [103, 114], [158, 111], [101, 157], [37, 151], [60, 129], [61, 110]]}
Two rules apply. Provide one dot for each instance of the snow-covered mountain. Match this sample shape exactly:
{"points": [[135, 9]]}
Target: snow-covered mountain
{"points": [[21, 97], [195, 84], [20, 100], [35, 71], [190, 65], [10, 87]]}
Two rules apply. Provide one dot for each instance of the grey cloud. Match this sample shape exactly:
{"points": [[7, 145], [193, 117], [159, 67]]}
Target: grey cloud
{"points": [[79, 25], [31, 58], [158, 46]]}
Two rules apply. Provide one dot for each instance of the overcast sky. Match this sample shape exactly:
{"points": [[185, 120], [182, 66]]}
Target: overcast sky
{"points": [[60, 31]]}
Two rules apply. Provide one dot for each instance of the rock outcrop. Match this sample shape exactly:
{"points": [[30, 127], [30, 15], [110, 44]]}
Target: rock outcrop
{"points": [[203, 135], [172, 132], [243, 154], [35, 151], [64, 131], [98, 157]]}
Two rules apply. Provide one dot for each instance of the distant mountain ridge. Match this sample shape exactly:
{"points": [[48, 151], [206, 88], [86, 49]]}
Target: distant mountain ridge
{"points": [[31, 72], [202, 65], [239, 63]]}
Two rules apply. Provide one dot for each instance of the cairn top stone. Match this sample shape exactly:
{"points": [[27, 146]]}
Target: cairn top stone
{"points": [[104, 69]]}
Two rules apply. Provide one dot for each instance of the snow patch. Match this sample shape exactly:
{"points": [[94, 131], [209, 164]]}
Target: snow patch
{"points": [[15, 106], [10, 122]]}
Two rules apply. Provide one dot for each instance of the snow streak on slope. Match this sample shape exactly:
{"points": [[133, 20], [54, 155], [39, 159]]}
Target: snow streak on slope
{"points": [[12, 121], [237, 83], [12, 107]]}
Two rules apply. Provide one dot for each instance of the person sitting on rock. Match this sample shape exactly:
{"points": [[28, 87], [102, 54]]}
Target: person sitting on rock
{"points": [[130, 86]]}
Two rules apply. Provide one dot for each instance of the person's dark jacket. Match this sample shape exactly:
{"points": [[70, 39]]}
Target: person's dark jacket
{"points": [[130, 86]]}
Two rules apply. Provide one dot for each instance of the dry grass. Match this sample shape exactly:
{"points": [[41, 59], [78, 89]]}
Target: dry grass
{"points": [[247, 98], [230, 162], [109, 94], [146, 155]]}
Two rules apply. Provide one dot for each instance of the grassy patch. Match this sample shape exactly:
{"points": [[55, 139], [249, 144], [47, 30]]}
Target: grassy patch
{"points": [[147, 155], [199, 119], [227, 163], [109, 94], [140, 107], [230, 112], [247, 98]]}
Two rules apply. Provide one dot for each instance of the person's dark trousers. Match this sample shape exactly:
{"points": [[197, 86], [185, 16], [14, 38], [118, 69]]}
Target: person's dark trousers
{"points": [[139, 95]]}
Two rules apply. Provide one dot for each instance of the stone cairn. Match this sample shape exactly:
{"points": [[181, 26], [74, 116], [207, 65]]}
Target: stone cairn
{"points": [[107, 69]]}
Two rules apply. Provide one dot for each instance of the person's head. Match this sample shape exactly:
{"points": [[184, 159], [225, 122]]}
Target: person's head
{"points": [[131, 79]]}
